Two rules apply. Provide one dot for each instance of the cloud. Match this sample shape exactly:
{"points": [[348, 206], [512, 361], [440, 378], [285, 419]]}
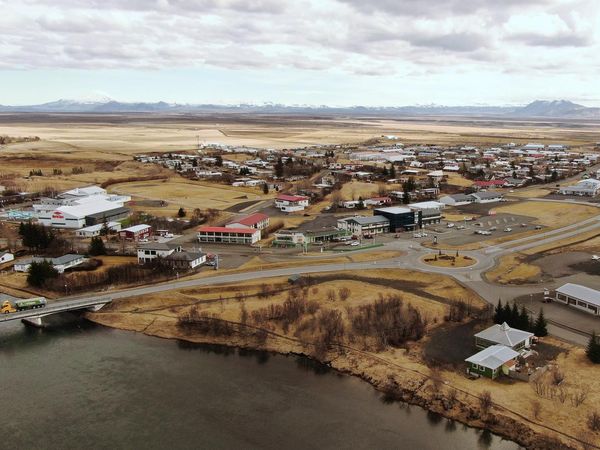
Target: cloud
{"points": [[552, 40]]}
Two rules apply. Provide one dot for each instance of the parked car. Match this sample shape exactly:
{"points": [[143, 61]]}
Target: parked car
{"points": [[523, 225], [417, 235], [493, 228], [450, 225], [460, 227], [538, 227], [354, 243], [508, 230]]}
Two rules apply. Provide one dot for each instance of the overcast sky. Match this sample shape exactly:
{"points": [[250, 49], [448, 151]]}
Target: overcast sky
{"points": [[334, 52]]}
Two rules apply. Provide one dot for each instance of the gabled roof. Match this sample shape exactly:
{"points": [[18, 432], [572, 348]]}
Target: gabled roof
{"points": [[580, 292], [503, 334], [493, 357], [487, 194], [291, 198], [252, 219], [362, 220]]}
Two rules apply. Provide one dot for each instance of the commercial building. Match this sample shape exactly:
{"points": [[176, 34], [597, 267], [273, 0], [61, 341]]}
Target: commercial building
{"points": [[153, 250], [289, 238], [61, 263], [503, 335], [492, 361], [225, 235], [401, 218], [579, 297], [457, 199], [291, 203], [258, 220], [487, 197], [361, 225], [431, 212], [96, 230], [186, 260], [136, 232], [587, 188]]}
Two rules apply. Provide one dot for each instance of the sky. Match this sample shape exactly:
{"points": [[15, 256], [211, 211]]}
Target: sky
{"points": [[315, 52]]}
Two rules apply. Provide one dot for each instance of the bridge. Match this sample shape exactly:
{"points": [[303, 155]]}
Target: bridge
{"points": [[34, 316]]}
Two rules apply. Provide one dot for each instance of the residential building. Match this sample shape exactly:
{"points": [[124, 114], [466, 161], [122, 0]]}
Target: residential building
{"points": [[96, 230], [6, 257], [258, 220], [503, 335], [361, 225], [291, 203], [492, 361], [224, 235], [184, 260], [589, 188], [580, 297], [136, 232], [153, 250], [61, 263]]}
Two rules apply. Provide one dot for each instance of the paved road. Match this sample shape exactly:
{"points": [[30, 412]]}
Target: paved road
{"points": [[471, 277], [55, 307]]}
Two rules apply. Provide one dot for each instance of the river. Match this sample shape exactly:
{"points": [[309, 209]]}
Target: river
{"points": [[86, 386]]}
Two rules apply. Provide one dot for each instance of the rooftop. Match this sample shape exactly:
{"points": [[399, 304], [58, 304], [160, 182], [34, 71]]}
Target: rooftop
{"points": [[252, 219], [580, 292], [226, 230], [493, 357], [503, 334], [394, 210]]}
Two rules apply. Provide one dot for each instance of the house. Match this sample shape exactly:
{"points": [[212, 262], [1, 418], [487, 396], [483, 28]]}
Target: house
{"points": [[136, 232], [61, 263], [258, 221], [456, 199], [503, 335], [184, 260], [487, 197], [6, 257], [96, 230], [361, 225], [378, 201], [492, 361], [291, 203], [148, 252], [289, 238], [589, 188], [580, 297], [225, 235]]}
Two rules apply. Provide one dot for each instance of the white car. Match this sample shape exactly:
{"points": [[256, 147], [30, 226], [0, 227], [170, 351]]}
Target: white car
{"points": [[355, 243], [460, 227], [595, 257], [450, 225], [508, 230], [417, 235]]}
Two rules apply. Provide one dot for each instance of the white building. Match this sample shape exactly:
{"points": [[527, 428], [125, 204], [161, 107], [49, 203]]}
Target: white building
{"points": [[289, 238], [61, 263], [6, 257], [148, 252], [580, 297], [361, 225], [487, 196], [96, 230], [456, 199], [291, 203], [259, 221], [224, 235], [589, 188]]}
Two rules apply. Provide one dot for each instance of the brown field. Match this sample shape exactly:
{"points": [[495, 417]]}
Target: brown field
{"points": [[550, 214]]}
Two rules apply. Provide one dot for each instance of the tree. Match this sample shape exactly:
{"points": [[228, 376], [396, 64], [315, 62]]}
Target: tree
{"points": [[97, 246], [39, 272], [279, 168], [265, 188], [506, 312], [593, 349], [181, 213], [485, 402], [539, 327], [554, 175], [392, 171], [523, 322], [218, 160], [499, 313], [514, 316], [361, 203]]}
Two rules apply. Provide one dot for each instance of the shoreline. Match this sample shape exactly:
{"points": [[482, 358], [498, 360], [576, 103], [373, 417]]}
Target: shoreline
{"points": [[403, 384]]}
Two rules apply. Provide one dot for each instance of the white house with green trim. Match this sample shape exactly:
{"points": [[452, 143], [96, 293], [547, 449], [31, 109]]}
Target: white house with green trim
{"points": [[492, 361]]}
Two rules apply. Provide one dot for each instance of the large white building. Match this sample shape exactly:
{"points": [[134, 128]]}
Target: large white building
{"points": [[580, 297], [589, 188], [291, 203], [81, 207]]}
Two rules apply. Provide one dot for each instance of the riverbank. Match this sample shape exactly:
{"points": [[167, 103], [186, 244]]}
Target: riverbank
{"points": [[400, 373]]}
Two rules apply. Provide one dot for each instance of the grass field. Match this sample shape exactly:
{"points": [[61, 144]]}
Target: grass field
{"points": [[550, 214]]}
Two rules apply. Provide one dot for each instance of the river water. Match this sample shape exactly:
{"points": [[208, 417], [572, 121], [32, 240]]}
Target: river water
{"points": [[86, 386]]}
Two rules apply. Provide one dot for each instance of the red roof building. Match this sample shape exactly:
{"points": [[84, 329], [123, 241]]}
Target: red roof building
{"points": [[259, 221], [229, 235]]}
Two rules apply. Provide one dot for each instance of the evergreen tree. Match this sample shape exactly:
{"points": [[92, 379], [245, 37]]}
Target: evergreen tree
{"points": [[218, 160], [523, 323], [361, 203], [385, 172], [593, 349], [513, 321], [279, 168], [97, 246], [392, 171], [539, 327], [265, 188], [499, 313], [181, 213], [39, 272], [506, 312]]}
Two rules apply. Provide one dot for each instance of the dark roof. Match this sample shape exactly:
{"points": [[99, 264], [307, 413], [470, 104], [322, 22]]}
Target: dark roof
{"points": [[185, 256], [109, 213]]}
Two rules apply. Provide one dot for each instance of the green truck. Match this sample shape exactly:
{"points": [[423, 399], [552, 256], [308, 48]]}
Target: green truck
{"points": [[22, 305]]}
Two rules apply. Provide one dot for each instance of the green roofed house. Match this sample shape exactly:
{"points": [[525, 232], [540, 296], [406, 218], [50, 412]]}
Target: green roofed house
{"points": [[503, 335], [492, 361]]}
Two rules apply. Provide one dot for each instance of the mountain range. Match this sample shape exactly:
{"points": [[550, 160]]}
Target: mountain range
{"points": [[540, 108]]}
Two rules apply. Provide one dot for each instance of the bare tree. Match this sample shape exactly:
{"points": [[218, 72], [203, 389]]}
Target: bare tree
{"points": [[594, 421], [536, 409], [344, 293], [331, 295], [485, 402]]}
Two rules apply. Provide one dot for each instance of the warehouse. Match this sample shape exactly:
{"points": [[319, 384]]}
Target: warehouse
{"points": [[401, 218], [580, 297], [96, 230], [81, 215], [224, 235]]}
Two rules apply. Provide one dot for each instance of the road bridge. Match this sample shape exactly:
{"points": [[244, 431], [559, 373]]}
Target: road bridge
{"points": [[34, 316]]}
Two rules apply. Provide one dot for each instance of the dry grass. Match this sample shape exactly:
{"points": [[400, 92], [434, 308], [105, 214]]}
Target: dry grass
{"points": [[551, 214], [456, 179], [511, 269]]}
